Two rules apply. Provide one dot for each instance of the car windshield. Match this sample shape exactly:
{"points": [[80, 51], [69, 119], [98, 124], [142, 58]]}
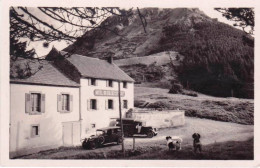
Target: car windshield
{"points": [[140, 123], [100, 132]]}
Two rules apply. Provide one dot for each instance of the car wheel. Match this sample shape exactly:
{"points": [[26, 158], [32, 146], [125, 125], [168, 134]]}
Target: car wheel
{"points": [[101, 140], [119, 140], [84, 145], [92, 145], [150, 134]]}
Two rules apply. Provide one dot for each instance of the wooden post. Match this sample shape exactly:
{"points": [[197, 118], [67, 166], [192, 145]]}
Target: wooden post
{"points": [[133, 143], [120, 115]]}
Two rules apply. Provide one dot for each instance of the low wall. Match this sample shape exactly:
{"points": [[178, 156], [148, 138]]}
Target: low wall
{"points": [[159, 119]]}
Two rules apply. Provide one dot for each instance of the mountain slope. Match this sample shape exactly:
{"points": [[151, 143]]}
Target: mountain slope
{"points": [[132, 40], [218, 59]]}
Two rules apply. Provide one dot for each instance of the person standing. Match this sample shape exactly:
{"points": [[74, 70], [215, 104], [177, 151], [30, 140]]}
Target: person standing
{"points": [[138, 127]]}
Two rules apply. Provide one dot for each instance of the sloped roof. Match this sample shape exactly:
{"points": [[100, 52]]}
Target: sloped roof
{"points": [[47, 75], [97, 68]]}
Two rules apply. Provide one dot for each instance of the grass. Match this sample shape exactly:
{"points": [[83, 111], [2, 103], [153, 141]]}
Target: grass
{"points": [[231, 150], [221, 109]]}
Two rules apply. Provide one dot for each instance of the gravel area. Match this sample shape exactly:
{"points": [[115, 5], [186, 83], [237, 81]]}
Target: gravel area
{"points": [[211, 132]]}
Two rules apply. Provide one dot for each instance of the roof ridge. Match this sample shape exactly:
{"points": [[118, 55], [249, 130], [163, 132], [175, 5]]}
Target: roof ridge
{"points": [[75, 54]]}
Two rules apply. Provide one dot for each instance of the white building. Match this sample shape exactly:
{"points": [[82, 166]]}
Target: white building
{"points": [[68, 98]]}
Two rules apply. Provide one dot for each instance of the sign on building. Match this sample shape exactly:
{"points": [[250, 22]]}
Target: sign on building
{"points": [[99, 92]]}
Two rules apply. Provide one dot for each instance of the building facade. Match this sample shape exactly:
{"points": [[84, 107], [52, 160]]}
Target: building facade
{"points": [[65, 101], [100, 102]]}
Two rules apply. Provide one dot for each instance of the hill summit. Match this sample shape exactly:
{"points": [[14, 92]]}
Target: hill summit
{"points": [[218, 58], [124, 37]]}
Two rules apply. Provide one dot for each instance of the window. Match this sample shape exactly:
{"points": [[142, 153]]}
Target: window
{"points": [[124, 84], [109, 132], [65, 102], [93, 104], [110, 83], [35, 131], [36, 102], [93, 82], [110, 104], [125, 105]]}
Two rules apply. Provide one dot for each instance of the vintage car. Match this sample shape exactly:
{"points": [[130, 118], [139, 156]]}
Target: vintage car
{"points": [[103, 136], [130, 127]]}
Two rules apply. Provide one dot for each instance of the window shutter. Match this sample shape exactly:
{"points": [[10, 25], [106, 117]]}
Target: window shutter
{"points": [[106, 105], [107, 83], [42, 103], [59, 103], [96, 84], [97, 105], [89, 81], [113, 103], [88, 104], [27, 103], [71, 103]]}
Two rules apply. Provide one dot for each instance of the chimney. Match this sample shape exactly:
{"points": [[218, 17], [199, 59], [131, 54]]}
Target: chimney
{"points": [[110, 59]]}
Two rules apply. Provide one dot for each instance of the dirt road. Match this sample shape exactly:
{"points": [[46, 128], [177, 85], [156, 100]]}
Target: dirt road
{"points": [[211, 132]]}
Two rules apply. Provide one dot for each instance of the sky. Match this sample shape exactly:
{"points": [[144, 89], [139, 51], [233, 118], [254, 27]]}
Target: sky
{"points": [[41, 51]]}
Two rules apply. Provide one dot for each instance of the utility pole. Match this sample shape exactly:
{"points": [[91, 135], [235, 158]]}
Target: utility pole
{"points": [[120, 115]]}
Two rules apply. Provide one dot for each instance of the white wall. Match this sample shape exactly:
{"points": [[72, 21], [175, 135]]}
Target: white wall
{"points": [[160, 119], [101, 117], [50, 121]]}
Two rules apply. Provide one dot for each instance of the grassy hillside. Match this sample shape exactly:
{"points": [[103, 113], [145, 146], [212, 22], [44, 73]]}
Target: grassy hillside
{"points": [[159, 59], [222, 109], [218, 60]]}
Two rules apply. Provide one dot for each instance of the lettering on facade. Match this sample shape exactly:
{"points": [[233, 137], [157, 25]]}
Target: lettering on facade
{"points": [[114, 93]]}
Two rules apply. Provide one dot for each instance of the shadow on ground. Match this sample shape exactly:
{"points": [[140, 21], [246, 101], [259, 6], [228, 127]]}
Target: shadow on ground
{"points": [[231, 150]]}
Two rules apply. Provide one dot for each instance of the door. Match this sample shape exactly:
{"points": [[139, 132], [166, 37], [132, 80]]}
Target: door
{"points": [[114, 136], [71, 133], [67, 133]]}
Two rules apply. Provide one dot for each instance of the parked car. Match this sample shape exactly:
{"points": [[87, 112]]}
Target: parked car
{"points": [[130, 127], [103, 136]]}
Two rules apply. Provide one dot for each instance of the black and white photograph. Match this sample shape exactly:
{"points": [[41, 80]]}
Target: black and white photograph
{"points": [[130, 83]]}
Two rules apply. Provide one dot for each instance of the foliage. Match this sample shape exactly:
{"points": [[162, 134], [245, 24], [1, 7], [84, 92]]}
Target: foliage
{"points": [[144, 73], [176, 87], [245, 17], [48, 24], [57, 23], [18, 49], [219, 59]]}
